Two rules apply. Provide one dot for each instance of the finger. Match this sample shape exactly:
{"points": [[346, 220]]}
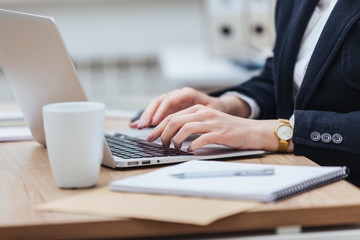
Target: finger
{"points": [[156, 133], [173, 102], [134, 124], [147, 115], [174, 125], [203, 140], [162, 110], [188, 110], [189, 129]]}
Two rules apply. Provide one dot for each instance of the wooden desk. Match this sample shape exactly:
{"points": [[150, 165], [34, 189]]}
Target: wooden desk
{"points": [[26, 180]]}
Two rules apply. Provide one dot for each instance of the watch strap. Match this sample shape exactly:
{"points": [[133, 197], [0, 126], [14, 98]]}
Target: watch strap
{"points": [[283, 145]]}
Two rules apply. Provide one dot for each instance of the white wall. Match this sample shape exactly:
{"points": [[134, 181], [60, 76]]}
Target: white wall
{"points": [[113, 29]]}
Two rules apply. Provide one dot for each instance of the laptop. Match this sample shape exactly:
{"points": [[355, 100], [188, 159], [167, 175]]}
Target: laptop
{"points": [[40, 71]]}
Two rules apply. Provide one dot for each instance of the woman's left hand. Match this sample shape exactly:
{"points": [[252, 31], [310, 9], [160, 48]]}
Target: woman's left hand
{"points": [[215, 127]]}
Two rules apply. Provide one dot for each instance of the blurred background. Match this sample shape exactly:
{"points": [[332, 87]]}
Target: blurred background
{"points": [[128, 51]]}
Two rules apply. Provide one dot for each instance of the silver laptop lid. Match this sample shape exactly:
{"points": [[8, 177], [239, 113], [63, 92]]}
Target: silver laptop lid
{"points": [[37, 66]]}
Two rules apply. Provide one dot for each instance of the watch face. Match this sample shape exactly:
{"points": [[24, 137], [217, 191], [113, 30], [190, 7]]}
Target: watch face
{"points": [[284, 132]]}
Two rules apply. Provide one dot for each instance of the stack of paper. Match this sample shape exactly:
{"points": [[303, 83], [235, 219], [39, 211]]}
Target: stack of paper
{"points": [[13, 127]]}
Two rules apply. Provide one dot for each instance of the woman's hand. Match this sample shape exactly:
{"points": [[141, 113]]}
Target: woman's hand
{"points": [[216, 127], [180, 99]]}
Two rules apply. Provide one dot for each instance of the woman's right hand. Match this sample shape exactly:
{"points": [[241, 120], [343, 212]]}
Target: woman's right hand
{"points": [[177, 100]]}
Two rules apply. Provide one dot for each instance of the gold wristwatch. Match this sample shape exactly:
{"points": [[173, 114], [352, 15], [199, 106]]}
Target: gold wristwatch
{"points": [[284, 132]]}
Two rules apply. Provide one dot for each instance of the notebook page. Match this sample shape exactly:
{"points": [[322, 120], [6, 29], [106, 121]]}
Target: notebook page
{"points": [[258, 188]]}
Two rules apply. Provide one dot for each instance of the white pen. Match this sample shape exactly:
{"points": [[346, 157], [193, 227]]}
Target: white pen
{"points": [[226, 173]]}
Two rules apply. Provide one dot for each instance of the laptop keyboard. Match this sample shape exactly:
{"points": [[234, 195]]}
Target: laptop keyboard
{"points": [[128, 147]]}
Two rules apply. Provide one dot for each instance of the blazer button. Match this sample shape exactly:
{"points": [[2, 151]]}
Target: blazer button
{"points": [[326, 137], [337, 138], [315, 136]]}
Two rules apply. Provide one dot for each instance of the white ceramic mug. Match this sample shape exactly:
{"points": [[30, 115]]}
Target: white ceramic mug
{"points": [[74, 133]]}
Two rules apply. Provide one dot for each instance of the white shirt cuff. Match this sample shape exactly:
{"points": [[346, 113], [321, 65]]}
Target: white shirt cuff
{"points": [[254, 107], [292, 119]]}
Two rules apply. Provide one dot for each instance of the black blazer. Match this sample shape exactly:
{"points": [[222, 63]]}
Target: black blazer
{"points": [[328, 101]]}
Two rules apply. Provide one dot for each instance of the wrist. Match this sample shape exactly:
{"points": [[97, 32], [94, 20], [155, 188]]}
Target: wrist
{"points": [[260, 135], [266, 137]]}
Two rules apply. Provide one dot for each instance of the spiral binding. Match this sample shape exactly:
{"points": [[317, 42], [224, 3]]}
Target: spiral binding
{"points": [[311, 184]]}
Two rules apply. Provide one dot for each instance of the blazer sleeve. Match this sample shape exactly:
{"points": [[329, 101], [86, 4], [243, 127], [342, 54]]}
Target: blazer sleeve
{"points": [[260, 88], [309, 123], [312, 130]]}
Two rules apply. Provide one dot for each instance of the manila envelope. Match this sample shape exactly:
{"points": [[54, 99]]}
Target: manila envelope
{"points": [[177, 209]]}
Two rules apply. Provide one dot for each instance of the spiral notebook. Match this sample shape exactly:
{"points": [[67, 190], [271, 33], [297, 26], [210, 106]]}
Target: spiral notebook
{"points": [[284, 182]]}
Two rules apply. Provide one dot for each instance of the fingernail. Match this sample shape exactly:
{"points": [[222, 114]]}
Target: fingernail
{"points": [[141, 124], [189, 149], [154, 121], [150, 138], [135, 123]]}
